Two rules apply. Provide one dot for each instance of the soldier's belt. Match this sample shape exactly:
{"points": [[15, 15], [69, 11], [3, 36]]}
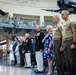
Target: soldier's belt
{"points": [[66, 39], [57, 38]]}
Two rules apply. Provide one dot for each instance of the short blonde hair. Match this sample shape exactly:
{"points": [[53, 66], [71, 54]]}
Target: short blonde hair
{"points": [[50, 28]]}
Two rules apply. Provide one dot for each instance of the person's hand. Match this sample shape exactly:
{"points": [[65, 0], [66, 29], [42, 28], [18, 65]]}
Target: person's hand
{"points": [[72, 46], [61, 49], [29, 51], [23, 52], [48, 50], [40, 50], [43, 41]]}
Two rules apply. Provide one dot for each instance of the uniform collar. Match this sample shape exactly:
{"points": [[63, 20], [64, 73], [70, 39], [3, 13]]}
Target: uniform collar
{"points": [[67, 21], [57, 25]]}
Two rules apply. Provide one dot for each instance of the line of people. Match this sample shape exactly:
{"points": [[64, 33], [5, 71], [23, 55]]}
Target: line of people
{"points": [[21, 48], [64, 39], [59, 43]]}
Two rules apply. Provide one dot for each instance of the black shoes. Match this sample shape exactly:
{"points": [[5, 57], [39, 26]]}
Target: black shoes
{"points": [[38, 71]]}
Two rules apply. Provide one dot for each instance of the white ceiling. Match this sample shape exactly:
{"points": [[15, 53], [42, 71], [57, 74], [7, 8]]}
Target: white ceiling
{"points": [[34, 3]]}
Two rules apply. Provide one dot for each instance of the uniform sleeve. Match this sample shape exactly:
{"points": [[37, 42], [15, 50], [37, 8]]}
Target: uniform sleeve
{"points": [[23, 46], [60, 29], [73, 26], [41, 38], [29, 44], [41, 35]]}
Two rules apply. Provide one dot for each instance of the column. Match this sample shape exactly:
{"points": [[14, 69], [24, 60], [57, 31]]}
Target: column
{"points": [[41, 20]]}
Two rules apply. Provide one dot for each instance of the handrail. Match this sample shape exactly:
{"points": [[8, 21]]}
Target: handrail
{"points": [[25, 22]]}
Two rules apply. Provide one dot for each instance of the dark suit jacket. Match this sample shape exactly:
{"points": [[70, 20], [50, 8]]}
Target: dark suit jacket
{"points": [[27, 45], [21, 47], [38, 41]]}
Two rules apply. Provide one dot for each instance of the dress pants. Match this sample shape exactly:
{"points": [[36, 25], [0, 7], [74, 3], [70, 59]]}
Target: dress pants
{"points": [[21, 60], [59, 57], [28, 59], [73, 62], [18, 59], [15, 62], [70, 57], [39, 60]]}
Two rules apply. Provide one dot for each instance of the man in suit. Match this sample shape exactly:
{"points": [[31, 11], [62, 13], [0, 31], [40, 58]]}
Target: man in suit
{"points": [[39, 49], [20, 51], [27, 50]]}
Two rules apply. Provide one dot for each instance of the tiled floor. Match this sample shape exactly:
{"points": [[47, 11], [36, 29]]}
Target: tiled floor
{"points": [[6, 69]]}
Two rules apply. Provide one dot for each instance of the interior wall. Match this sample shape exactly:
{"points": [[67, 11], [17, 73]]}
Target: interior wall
{"points": [[32, 3]]}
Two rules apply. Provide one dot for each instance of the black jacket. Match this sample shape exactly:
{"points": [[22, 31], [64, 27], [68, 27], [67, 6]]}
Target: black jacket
{"points": [[21, 47], [38, 41], [27, 45]]}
